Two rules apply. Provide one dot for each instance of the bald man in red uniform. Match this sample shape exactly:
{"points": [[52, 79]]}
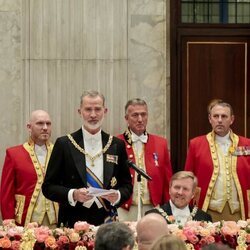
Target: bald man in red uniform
{"points": [[22, 176]]}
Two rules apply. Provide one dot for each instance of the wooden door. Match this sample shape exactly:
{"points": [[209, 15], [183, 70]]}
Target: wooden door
{"points": [[208, 65]]}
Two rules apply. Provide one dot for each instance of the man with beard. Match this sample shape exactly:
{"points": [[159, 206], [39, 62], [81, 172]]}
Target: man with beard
{"points": [[221, 162], [177, 209], [22, 177], [88, 158]]}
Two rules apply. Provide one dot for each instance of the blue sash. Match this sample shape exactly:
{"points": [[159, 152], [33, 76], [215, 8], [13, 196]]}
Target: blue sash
{"points": [[93, 181]]}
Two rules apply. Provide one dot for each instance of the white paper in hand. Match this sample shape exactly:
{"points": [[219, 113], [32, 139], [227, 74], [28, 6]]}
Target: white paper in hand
{"points": [[99, 191]]}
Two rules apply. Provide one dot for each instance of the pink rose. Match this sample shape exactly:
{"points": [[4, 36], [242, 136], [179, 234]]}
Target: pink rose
{"points": [[203, 242], [15, 245], [209, 239], [81, 226], [191, 237], [63, 239], [230, 228], [32, 225], [15, 231], [41, 233]]}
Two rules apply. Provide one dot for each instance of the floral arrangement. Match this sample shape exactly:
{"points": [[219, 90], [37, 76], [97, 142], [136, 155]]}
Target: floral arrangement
{"points": [[197, 234], [13, 237]]}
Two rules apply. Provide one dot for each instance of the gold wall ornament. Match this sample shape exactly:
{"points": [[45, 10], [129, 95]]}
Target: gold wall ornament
{"points": [[94, 157]]}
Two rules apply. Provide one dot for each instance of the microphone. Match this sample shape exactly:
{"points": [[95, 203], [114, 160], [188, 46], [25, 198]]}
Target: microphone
{"points": [[139, 170]]}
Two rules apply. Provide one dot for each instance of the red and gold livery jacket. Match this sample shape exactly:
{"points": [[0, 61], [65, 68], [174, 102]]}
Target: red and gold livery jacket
{"points": [[203, 161], [22, 178], [157, 165]]}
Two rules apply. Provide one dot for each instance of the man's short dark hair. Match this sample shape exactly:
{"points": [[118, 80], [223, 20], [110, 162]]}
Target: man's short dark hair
{"points": [[114, 236]]}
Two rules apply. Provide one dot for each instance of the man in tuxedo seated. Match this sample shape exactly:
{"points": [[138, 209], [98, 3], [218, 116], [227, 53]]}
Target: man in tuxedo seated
{"points": [[177, 209]]}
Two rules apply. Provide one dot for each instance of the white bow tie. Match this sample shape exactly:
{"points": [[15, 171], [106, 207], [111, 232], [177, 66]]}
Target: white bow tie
{"points": [[143, 138]]}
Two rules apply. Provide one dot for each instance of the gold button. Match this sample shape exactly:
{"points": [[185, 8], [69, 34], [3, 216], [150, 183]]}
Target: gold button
{"points": [[126, 205], [131, 156], [132, 176], [128, 146]]}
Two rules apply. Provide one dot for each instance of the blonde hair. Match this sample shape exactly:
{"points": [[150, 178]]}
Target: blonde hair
{"points": [[184, 175], [169, 242]]}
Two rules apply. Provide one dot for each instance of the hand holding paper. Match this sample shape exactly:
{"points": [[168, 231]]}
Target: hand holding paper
{"points": [[100, 192]]}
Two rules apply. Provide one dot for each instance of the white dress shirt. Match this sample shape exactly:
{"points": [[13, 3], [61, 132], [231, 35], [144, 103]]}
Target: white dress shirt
{"points": [[181, 215], [41, 154], [92, 145]]}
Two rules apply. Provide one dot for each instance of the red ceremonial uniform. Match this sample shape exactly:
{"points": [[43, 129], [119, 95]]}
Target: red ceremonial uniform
{"points": [[22, 178], [202, 160], [157, 165]]}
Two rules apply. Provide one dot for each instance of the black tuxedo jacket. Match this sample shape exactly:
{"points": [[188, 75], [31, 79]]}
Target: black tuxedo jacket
{"points": [[199, 216], [67, 170]]}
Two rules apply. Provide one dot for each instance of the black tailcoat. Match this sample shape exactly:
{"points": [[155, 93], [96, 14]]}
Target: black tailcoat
{"points": [[67, 170]]}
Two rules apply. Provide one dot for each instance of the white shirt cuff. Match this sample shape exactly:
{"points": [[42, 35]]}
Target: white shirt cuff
{"points": [[118, 200], [70, 197]]}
